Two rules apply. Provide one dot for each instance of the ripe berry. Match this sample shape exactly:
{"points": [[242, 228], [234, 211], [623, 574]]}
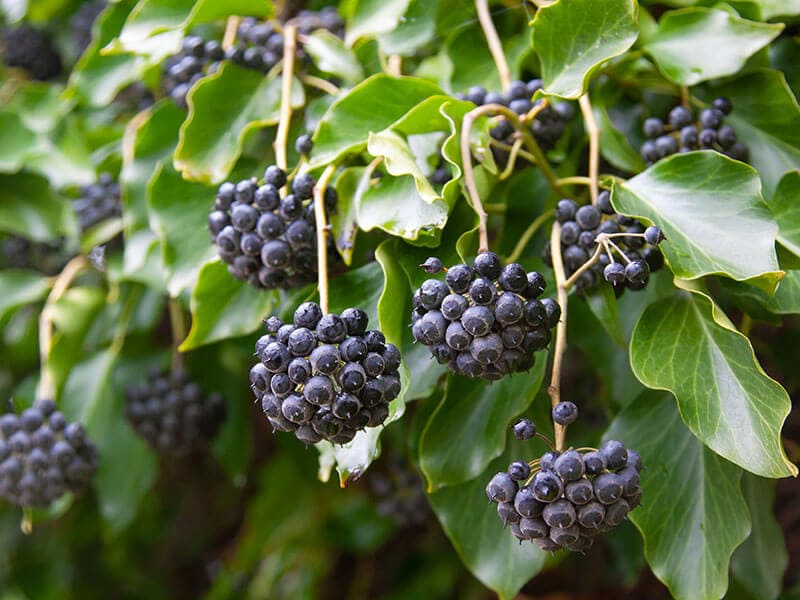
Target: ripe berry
{"points": [[488, 264], [458, 278], [569, 466], [565, 210], [653, 235], [501, 488], [723, 105], [519, 470], [588, 217], [432, 265], [524, 429], [615, 454], [547, 486], [565, 412], [303, 145], [579, 492], [614, 273], [559, 514], [680, 117], [653, 127], [607, 488], [591, 515], [637, 271]]}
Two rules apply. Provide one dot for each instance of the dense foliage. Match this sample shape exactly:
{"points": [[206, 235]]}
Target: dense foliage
{"points": [[532, 250]]}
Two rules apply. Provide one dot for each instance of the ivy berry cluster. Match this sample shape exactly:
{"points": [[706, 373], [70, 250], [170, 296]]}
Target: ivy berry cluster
{"points": [[484, 320], [31, 49], [326, 376], [565, 499], [43, 456], [621, 249], [172, 413], [684, 131], [98, 201], [268, 241]]}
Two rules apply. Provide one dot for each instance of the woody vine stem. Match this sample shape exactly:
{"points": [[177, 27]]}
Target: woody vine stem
{"points": [[322, 235]]}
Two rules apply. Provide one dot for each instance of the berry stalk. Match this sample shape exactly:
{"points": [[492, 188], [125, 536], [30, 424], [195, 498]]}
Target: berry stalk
{"points": [[493, 40], [561, 333], [231, 28], [322, 232], [284, 120], [72, 269], [594, 144], [469, 179], [178, 327]]}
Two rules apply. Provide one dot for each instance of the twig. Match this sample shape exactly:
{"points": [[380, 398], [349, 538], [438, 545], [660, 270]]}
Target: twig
{"points": [[512, 160], [523, 153], [528, 234], [231, 28], [685, 97], [178, 326], [395, 65], [576, 180], [493, 40], [469, 181], [322, 235], [319, 83], [285, 117], [561, 332], [532, 113], [71, 270], [594, 144]]}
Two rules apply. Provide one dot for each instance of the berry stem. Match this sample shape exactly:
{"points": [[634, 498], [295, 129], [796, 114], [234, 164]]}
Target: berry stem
{"points": [[322, 235], [395, 65], [231, 28], [539, 107], [512, 160], [583, 268], [594, 144], [576, 180], [26, 524], [493, 40], [523, 153], [528, 234], [685, 97], [320, 84], [178, 326], [71, 270], [546, 440], [284, 120], [469, 181], [561, 332]]}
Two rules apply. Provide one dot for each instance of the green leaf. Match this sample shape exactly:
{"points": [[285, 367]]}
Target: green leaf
{"points": [[373, 17], [614, 145], [371, 106], [21, 288], [693, 514], [179, 216], [712, 214], [415, 29], [224, 307], [603, 303], [778, 8], [223, 109], [785, 208], [93, 395], [344, 224], [574, 37], [28, 206], [698, 44], [400, 160], [468, 428], [15, 142], [393, 205], [683, 344], [332, 57], [767, 117], [760, 562], [487, 549]]}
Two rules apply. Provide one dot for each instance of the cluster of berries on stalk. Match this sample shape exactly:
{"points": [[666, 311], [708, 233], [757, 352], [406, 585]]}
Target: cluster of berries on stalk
{"points": [[259, 46], [483, 320], [326, 376], [98, 201], [31, 49], [684, 132], [43, 456], [628, 250], [268, 241], [547, 127], [172, 413], [565, 499]]}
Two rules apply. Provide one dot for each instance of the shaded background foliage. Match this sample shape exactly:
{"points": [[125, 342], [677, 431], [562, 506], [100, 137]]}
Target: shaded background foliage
{"points": [[248, 516]]}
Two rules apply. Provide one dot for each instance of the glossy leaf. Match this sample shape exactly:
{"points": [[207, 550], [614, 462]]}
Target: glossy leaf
{"points": [[698, 44], [372, 17], [29, 207], [614, 146], [683, 344], [488, 549], [574, 37], [760, 562], [332, 57], [223, 109], [785, 208], [179, 216], [15, 142], [467, 430], [693, 514], [371, 106], [20, 288], [224, 307], [712, 214]]}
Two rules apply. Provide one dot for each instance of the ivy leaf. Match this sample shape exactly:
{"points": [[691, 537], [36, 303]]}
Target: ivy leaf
{"points": [[787, 212], [21, 288], [371, 106], [683, 344], [693, 514], [179, 216], [223, 109], [15, 142], [468, 428], [29, 207], [614, 145], [332, 57], [373, 17], [596, 32], [697, 44], [487, 549], [778, 8], [712, 214], [93, 396], [767, 117], [224, 307], [760, 562]]}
